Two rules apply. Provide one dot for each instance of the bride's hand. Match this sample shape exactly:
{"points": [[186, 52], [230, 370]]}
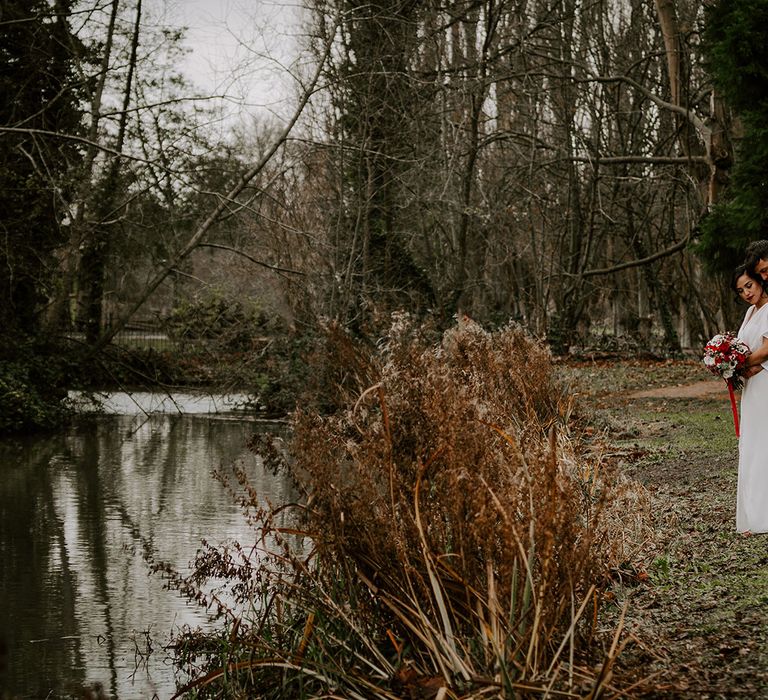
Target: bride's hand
{"points": [[752, 371]]}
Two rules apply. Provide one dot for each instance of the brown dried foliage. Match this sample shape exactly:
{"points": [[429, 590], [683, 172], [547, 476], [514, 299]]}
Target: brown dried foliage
{"points": [[448, 484]]}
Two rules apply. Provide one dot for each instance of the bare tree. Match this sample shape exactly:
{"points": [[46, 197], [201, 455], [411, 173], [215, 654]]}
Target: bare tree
{"points": [[559, 159], [200, 232]]}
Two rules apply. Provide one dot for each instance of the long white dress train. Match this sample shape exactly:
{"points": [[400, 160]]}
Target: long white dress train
{"points": [[752, 490]]}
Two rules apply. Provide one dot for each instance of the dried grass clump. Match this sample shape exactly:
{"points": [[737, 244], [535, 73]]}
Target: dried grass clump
{"points": [[460, 545]]}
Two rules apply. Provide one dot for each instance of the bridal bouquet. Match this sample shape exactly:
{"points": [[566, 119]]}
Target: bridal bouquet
{"points": [[726, 356]]}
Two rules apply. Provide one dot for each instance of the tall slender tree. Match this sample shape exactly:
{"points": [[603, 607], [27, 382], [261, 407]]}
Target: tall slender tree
{"points": [[107, 204]]}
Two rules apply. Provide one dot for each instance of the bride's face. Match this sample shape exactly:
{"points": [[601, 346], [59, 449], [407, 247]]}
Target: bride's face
{"points": [[748, 289]]}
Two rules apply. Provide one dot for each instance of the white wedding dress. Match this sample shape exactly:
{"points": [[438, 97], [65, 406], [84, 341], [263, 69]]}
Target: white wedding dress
{"points": [[752, 490]]}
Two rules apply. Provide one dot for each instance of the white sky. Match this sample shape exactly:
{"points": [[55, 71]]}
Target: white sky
{"points": [[239, 48]]}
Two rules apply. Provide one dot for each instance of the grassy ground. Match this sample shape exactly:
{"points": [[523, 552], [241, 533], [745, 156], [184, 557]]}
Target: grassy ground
{"points": [[698, 593]]}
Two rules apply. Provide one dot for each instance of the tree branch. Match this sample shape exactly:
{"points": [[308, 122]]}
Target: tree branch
{"points": [[650, 160], [275, 268], [696, 121], [638, 263], [78, 139], [685, 112]]}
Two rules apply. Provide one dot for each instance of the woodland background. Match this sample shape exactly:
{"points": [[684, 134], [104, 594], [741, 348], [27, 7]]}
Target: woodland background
{"points": [[587, 169]]}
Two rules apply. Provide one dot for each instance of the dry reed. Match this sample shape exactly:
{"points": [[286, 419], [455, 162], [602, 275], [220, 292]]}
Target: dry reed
{"points": [[461, 541]]}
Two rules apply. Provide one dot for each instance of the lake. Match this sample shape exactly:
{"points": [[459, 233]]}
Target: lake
{"points": [[79, 604]]}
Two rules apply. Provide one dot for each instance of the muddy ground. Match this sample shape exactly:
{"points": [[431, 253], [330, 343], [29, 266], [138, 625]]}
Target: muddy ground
{"points": [[697, 591]]}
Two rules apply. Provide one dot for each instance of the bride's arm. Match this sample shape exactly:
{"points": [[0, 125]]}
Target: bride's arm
{"points": [[758, 356]]}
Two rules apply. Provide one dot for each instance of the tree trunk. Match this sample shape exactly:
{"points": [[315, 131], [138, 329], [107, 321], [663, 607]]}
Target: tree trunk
{"points": [[97, 246], [62, 311], [711, 141]]}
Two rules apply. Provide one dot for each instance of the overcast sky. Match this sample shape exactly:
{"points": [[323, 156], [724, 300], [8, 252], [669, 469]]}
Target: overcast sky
{"points": [[240, 48]]}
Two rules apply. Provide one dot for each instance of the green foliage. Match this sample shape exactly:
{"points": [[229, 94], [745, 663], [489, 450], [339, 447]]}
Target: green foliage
{"points": [[286, 373], [232, 324], [20, 406], [39, 90], [725, 233], [33, 389], [378, 101], [736, 46]]}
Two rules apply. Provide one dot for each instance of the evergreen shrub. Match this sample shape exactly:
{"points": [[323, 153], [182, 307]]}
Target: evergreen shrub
{"points": [[33, 389]]}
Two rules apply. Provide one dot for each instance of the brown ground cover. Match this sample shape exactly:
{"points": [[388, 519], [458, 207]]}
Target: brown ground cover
{"points": [[697, 591]]}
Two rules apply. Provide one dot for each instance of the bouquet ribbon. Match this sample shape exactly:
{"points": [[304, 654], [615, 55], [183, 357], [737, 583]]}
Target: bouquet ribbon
{"points": [[734, 410]]}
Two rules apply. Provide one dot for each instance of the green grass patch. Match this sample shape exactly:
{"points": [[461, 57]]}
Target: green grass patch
{"points": [[676, 427]]}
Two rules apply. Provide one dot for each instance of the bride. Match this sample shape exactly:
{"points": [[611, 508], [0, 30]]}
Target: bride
{"points": [[752, 490]]}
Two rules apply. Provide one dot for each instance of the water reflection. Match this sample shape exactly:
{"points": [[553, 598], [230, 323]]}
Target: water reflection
{"points": [[76, 511], [126, 403]]}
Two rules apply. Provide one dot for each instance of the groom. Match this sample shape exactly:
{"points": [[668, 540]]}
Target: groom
{"points": [[756, 260]]}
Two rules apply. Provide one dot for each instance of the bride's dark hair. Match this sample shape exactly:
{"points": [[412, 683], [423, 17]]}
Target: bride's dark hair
{"points": [[744, 270]]}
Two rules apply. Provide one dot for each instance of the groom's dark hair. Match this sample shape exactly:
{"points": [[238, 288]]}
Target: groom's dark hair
{"points": [[756, 251]]}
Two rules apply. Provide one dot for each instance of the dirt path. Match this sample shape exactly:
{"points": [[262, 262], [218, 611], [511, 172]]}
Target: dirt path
{"points": [[697, 390], [698, 593]]}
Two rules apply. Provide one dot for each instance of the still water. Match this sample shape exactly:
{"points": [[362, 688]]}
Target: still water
{"points": [[78, 605]]}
